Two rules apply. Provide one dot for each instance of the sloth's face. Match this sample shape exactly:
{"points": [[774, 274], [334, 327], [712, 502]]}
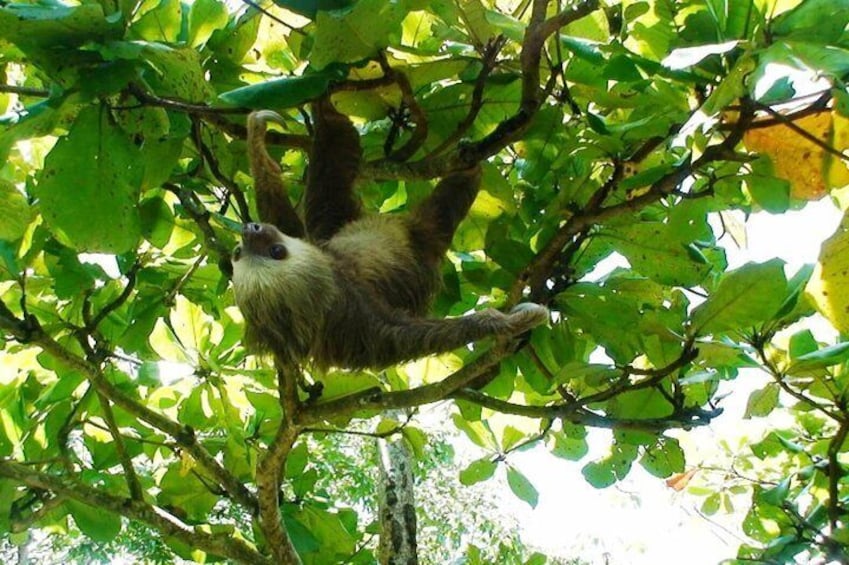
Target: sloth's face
{"points": [[261, 241], [269, 259]]}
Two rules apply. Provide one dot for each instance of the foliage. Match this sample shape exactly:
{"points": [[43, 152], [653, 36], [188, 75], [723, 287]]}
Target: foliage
{"points": [[609, 129]]}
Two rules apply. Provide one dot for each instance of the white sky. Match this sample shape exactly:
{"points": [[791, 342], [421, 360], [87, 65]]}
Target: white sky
{"points": [[639, 521]]}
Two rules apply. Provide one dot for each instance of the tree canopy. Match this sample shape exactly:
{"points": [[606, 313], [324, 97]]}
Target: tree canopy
{"points": [[642, 130]]}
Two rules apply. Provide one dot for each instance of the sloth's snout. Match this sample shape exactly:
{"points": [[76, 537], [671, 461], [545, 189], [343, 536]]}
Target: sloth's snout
{"points": [[251, 228]]}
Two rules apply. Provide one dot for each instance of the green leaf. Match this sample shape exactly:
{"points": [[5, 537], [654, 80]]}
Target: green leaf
{"points": [[310, 8], [770, 193], [653, 250], [770, 446], [599, 474], [157, 221], [162, 22], [50, 26], [176, 71], [762, 401], [732, 86], [664, 458], [568, 447], [605, 315], [777, 494], [97, 523], [474, 16], [352, 35], [802, 343], [820, 359], [205, 17], [297, 460], [181, 489], [15, 212], [827, 59], [746, 296], [512, 28], [417, 439], [820, 21], [478, 471], [522, 487], [711, 504], [511, 437], [89, 186], [476, 431], [40, 119], [281, 93], [325, 527], [794, 306]]}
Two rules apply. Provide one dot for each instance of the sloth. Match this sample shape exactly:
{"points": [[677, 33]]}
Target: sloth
{"points": [[341, 287]]}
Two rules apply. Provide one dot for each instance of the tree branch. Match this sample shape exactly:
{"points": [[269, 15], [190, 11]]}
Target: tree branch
{"points": [[133, 485], [217, 544], [24, 90], [536, 273], [119, 301], [269, 470], [576, 413], [375, 399], [538, 31], [31, 332], [417, 114], [489, 58], [835, 475]]}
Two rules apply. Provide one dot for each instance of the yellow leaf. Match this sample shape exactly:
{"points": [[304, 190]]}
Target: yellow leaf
{"points": [[796, 158], [828, 288], [186, 463], [837, 169], [680, 481]]}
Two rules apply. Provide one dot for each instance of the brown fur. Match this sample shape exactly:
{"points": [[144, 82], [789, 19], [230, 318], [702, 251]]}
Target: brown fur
{"points": [[353, 293]]}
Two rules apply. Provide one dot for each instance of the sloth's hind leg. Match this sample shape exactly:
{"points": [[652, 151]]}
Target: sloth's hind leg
{"points": [[334, 164], [434, 220]]}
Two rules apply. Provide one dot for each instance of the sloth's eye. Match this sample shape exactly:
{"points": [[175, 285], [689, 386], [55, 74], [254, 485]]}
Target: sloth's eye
{"points": [[237, 253], [277, 251]]}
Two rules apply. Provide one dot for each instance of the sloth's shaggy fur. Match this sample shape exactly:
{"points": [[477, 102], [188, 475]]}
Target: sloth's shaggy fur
{"points": [[347, 289]]}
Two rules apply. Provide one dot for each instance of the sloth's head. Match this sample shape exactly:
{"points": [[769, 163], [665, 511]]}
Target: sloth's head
{"points": [[277, 268], [283, 287]]}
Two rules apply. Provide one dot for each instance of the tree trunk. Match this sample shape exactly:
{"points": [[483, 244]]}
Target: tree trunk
{"points": [[397, 504]]}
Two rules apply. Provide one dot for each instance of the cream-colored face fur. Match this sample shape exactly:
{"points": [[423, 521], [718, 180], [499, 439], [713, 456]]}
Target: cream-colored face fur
{"points": [[256, 271], [301, 277]]}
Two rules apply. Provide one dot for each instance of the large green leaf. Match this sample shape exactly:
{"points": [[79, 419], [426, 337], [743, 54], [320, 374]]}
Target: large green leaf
{"points": [[653, 250], [820, 21], [15, 212], [283, 92], [478, 471], [820, 359], [205, 17], [745, 297], [310, 8], [98, 524], [570, 444], [762, 401], [352, 35], [522, 487], [89, 187], [663, 458], [163, 21], [51, 26], [183, 490]]}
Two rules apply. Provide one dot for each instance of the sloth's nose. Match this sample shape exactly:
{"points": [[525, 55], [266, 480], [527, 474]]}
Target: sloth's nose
{"points": [[251, 228]]}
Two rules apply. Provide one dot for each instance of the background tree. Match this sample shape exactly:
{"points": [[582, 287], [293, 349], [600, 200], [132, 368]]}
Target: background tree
{"points": [[627, 129]]}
